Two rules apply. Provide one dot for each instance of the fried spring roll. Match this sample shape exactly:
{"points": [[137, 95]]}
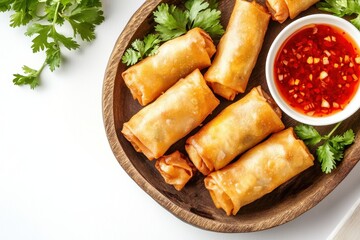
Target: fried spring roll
{"points": [[258, 171], [238, 49], [282, 9], [176, 169], [175, 59], [278, 10], [172, 116], [237, 128]]}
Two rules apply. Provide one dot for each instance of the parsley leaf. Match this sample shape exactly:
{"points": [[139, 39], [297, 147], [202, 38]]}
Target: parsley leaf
{"points": [[332, 150], [341, 8], [44, 18], [172, 22]]}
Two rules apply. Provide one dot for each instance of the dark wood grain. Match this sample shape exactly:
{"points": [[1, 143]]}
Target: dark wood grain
{"points": [[193, 204]]}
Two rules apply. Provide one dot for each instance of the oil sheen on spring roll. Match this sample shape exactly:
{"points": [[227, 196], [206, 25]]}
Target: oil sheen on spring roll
{"points": [[176, 169], [282, 9], [171, 117], [175, 59], [238, 49], [237, 128], [258, 171]]}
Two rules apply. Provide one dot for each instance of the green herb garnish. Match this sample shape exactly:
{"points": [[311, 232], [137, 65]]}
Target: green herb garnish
{"points": [[341, 8], [332, 148], [172, 22], [43, 19]]}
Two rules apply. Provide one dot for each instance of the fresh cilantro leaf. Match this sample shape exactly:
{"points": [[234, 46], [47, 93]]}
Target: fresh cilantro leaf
{"points": [[141, 48], [25, 11], [152, 42], [40, 42], [200, 15], [333, 147], [68, 42], [326, 158], [130, 57], [206, 19], [31, 78], [43, 18], [195, 7], [171, 22], [341, 8], [53, 56], [308, 134], [348, 137], [5, 5], [83, 21]]}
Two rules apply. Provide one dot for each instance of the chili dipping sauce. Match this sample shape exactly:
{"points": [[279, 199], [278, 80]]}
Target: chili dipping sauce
{"points": [[317, 70]]}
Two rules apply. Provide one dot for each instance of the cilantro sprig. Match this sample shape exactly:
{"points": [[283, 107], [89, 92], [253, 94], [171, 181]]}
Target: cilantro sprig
{"points": [[44, 18], [341, 8], [172, 21], [332, 148]]}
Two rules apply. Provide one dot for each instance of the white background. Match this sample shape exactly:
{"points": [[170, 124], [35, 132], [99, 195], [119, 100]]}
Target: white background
{"points": [[58, 176]]}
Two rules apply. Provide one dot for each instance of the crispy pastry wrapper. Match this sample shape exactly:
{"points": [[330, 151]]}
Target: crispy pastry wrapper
{"points": [[171, 117], [238, 49], [259, 171], [282, 9], [176, 169], [278, 10], [175, 59], [237, 128]]}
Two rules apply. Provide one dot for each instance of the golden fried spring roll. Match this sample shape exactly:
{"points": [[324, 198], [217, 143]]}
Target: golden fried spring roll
{"points": [[175, 59], [238, 49], [172, 116], [237, 128], [282, 9], [176, 169], [295, 6], [278, 10], [259, 171]]}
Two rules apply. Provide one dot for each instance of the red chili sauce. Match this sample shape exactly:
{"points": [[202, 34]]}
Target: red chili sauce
{"points": [[317, 70]]}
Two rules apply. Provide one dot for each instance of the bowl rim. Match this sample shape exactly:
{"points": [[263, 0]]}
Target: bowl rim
{"points": [[289, 30]]}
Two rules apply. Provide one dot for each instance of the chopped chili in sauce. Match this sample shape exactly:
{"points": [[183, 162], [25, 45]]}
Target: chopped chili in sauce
{"points": [[317, 70]]}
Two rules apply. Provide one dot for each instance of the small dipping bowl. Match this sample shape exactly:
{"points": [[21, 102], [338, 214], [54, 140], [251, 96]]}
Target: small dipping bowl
{"points": [[346, 110]]}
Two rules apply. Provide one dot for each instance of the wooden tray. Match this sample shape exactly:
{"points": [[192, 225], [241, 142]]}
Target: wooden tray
{"points": [[193, 204]]}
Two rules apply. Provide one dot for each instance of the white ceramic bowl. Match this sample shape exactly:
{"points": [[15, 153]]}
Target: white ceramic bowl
{"points": [[338, 22]]}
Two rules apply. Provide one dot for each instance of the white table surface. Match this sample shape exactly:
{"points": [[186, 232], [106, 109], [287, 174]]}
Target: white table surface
{"points": [[58, 176]]}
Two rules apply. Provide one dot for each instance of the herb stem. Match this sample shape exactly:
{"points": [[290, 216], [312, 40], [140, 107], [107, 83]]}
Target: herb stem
{"points": [[333, 130], [56, 13], [38, 72]]}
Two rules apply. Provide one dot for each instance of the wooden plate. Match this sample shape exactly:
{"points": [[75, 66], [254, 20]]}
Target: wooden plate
{"points": [[193, 204]]}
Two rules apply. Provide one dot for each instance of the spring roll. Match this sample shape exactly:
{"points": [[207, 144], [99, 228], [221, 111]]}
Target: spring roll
{"points": [[172, 116], [176, 169], [175, 59], [278, 10], [259, 171], [282, 9], [237, 128], [238, 49]]}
